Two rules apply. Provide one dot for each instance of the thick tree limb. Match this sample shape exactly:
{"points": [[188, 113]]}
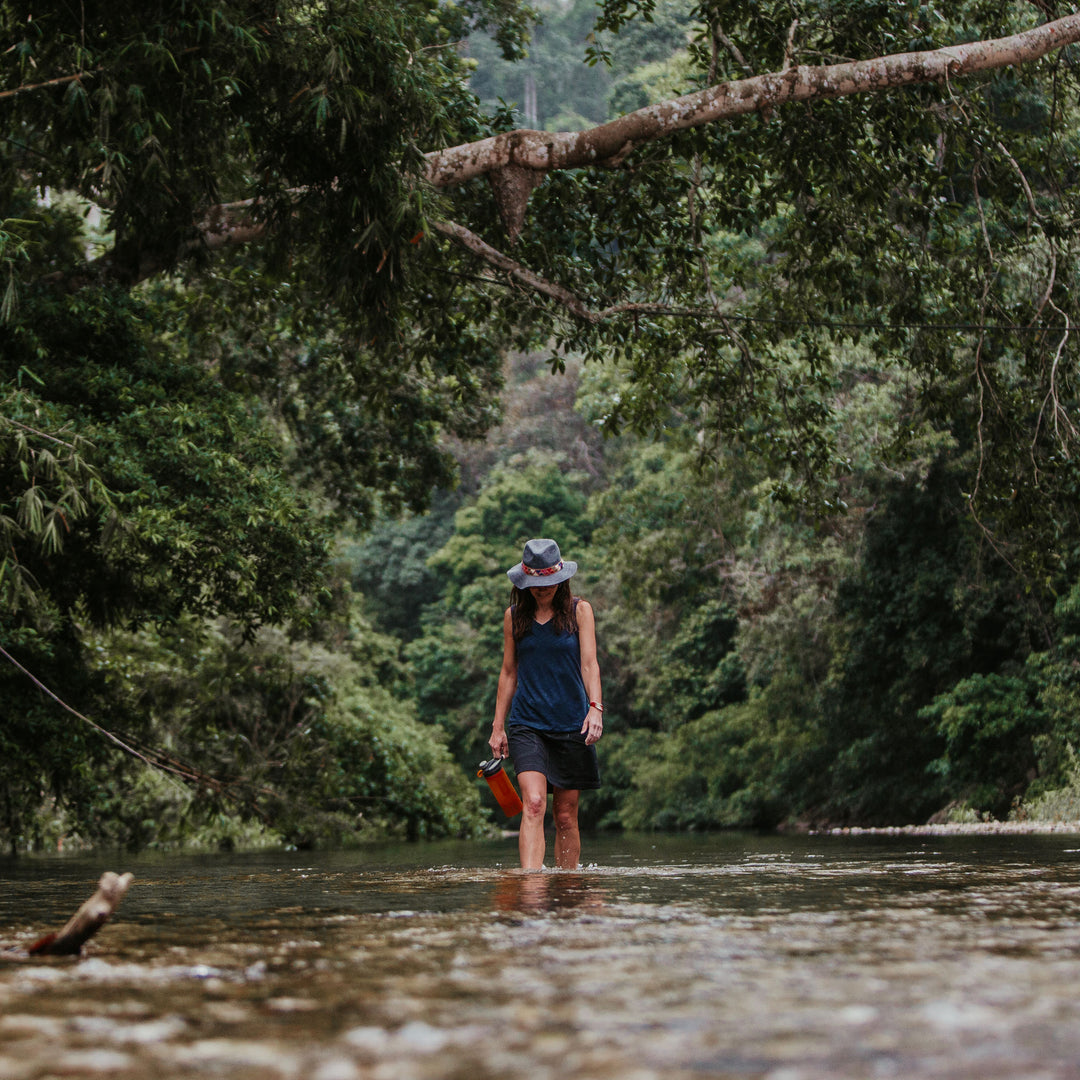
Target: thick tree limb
{"points": [[543, 151], [512, 186], [87, 921]]}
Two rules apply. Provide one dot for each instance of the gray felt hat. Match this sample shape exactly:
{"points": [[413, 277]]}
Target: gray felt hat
{"points": [[541, 564]]}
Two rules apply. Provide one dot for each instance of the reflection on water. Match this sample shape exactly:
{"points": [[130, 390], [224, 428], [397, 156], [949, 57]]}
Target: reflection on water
{"points": [[683, 957], [535, 893]]}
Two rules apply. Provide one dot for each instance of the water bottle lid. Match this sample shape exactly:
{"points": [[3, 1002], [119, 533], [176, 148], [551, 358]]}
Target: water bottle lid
{"points": [[491, 767]]}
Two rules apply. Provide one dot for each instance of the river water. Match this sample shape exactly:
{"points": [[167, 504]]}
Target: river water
{"points": [[683, 957]]}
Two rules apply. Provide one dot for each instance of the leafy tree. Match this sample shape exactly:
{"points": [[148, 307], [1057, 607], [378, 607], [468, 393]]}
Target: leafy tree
{"points": [[311, 168], [322, 157], [390, 567], [346, 152], [733, 768], [310, 744], [989, 723], [920, 613], [699, 669], [125, 472]]}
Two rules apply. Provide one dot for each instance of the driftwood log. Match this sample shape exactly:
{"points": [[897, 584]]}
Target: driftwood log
{"points": [[87, 921]]}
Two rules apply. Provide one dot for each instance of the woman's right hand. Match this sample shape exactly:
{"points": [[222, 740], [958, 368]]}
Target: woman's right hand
{"points": [[500, 745]]}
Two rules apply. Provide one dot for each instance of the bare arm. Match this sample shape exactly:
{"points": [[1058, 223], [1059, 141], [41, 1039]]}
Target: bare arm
{"points": [[507, 685], [593, 726]]}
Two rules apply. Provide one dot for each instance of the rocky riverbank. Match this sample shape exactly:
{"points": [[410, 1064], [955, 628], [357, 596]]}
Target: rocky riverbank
{"points": [[959, 828]]}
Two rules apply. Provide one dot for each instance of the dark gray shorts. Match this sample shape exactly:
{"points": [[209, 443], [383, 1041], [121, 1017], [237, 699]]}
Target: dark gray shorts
{"points": [[562, 757]]}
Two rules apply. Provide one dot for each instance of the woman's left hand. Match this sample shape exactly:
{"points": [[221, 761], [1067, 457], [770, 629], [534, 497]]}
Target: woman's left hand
{"points": [[593, 727]]}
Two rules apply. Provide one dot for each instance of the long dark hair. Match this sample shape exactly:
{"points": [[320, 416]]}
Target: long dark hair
{"points": [[563, 603]]}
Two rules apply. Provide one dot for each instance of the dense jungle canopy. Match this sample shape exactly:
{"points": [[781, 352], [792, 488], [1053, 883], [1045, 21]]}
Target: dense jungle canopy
{"points": [[303, 333]]}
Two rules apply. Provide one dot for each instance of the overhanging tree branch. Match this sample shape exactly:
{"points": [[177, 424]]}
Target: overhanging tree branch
{"points": [[517, 160], [543, 151], [536, 283]]}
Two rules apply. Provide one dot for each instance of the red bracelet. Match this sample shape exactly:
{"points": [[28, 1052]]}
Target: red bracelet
{"points": [[597, 706]]}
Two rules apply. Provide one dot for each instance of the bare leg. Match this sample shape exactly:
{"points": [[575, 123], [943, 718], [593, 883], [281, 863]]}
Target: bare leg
{"points": [[533, 787], [567, 837]]}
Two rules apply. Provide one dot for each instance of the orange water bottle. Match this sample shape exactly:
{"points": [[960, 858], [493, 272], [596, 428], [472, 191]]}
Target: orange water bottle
{"points": [[501, 786]]}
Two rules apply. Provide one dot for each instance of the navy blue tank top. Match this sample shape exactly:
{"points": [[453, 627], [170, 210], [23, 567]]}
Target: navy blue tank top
{"points": [[550, 693]]}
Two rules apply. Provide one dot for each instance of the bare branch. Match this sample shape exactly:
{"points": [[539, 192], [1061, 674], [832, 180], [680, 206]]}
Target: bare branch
{"points": [[220, 226], [1023, 181], [152, 758], [512, 186], [982, 216], [227, 225], [789, 47], [1037, 217], [59, 81], [560, 294], [8, 421], [719, 35], [1052, 401]]}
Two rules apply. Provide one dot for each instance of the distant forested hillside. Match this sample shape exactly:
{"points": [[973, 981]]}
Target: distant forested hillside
{"points": [[762, 666]]}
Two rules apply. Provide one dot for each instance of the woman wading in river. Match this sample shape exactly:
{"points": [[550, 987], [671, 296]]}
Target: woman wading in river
{"points": [[549, 709]]}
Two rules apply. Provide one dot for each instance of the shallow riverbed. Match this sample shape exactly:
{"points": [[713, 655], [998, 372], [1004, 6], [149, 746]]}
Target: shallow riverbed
{"points": [[719, 956]]}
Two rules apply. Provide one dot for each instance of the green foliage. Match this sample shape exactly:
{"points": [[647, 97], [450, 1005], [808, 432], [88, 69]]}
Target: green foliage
{"points": [[1047, 718], [921, 613], [177, 108], [363, 423], [311, 744], [1061, 803], [515, 504], [760, 667], [552, 70], [698, 669], [850, 331], [727, 769], [878, 220], [169, 462], [50, 487], [389, 567], [45, 757], [988, 723], [455, 666], [14, 240]]}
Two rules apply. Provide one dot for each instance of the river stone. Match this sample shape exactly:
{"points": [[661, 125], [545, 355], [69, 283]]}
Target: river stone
{"points": [[96, 1061], [237, 1053], [336, 1069], [291, 1004], [22, 1026], [11, 1069], [372, 1039], [421, 1038]]}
